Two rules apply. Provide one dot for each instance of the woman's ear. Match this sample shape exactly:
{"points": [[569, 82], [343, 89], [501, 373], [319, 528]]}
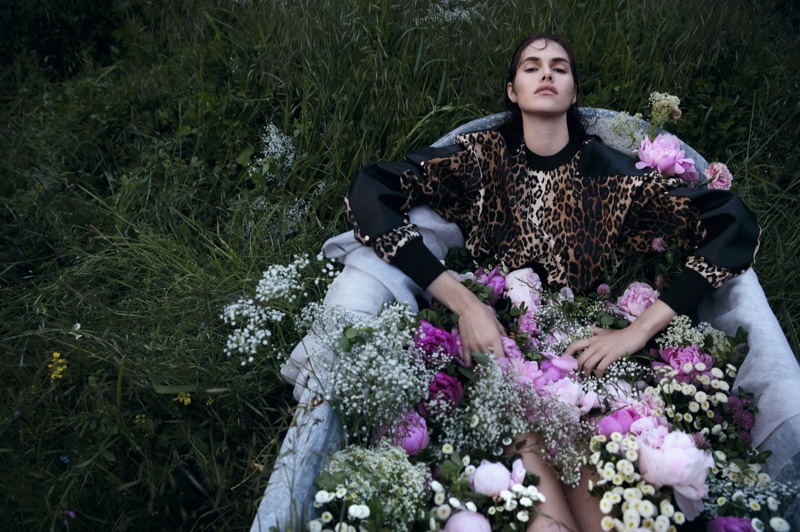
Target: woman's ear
{"points": [[512, 94], [574, 97]]}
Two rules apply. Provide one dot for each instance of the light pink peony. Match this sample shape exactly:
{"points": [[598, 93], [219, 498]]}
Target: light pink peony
{"points": [[411, 433], [466, 521], [665, 155], [524, 286], [490, 478], [719, 177], [518, 473], [679, 464], [635, 300]]}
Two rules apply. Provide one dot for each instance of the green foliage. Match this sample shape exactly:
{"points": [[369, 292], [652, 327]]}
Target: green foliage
{"points": [[137, 199]]}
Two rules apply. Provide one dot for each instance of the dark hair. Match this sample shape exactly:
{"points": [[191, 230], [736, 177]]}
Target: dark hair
{"points": [[576, 124]]}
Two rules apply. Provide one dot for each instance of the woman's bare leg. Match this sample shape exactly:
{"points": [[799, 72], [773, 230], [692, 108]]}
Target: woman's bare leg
{"points": [[554, 514], [584, 507]]}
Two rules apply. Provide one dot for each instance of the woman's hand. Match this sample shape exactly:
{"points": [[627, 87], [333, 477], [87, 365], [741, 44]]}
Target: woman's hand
{"points": [[477, 325], [609, 345]]}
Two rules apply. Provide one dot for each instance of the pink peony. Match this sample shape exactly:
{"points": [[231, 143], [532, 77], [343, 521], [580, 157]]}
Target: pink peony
{"points": [[665, 155], [433, 339], [511, 348], [719, 177], [730, 523], [684, 359], [518, 473], [524, 287], [466, 521], [445, 394], [617, 421], [493, 279], [490, 478], [411, 433], [679, 464], [635, 300]]}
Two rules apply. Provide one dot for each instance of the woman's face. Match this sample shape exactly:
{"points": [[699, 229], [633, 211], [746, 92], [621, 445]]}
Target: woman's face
{"points": [[543, 84]]}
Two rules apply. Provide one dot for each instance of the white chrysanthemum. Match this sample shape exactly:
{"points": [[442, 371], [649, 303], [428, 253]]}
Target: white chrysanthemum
{"points": [[447, 449], [757, 524], [606, 506], [442, 512], [679, 518], [523, 516], [779, 524], [607, 523], [439, 498], [315, 526], [646, 508], [471, 506]]}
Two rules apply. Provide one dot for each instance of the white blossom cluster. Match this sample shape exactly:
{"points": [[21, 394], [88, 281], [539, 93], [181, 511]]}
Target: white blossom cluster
{"points": [[664, 107], [747, 491], [253, 319], [558, 330], [640, 504], [681, 333], [383, 471], [277, 155], [519, 502], [496, 408], [627, 126], [378, 380], [447, 12]]}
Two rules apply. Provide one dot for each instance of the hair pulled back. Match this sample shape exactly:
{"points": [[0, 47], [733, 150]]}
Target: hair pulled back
{"points": [[576, 124]]}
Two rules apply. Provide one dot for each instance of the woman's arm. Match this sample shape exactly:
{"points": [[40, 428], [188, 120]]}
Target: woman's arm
{"points": [[477, 325]]}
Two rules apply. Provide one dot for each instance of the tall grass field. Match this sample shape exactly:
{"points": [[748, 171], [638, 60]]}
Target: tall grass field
{"points": [[156, 157]]}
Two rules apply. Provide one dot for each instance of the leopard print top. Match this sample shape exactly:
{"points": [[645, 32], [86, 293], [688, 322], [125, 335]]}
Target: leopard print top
{"points": [[574, 226]]}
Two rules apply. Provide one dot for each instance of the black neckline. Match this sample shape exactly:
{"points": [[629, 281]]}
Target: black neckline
{"points": [[545, 163]]}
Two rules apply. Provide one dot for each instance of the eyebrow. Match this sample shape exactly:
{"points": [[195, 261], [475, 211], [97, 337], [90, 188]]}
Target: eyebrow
{"points": [[553, 60]]}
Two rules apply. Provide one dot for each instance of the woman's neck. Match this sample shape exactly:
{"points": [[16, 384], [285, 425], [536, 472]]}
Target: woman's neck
{"points": [[545, 136]]}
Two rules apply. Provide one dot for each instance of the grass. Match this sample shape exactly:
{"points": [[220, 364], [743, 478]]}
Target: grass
{"points": [[132, 205]]}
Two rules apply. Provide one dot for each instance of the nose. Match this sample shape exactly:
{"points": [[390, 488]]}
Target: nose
{"points": [[547, 76]]}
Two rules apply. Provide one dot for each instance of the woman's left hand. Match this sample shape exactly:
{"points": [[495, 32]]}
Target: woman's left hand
{"points": [[604, 348], [609, 345]]}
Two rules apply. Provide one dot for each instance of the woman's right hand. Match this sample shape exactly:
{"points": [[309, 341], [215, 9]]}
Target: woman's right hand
{"points": [[477, 325]]}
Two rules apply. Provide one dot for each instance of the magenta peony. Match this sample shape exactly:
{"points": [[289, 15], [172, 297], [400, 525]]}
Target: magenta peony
{"points": [[635, 300], [466, 521], [411, 433], [685, 359], [679, 464], [719, 177], [490, 478], [665, 155], [730, 523], [445, 394], [433, 339]]}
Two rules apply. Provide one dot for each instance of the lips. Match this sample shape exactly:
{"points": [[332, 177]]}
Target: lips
{"points": [[548, 88]]}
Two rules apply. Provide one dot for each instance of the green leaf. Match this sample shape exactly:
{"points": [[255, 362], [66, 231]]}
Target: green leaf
{"points": [[184, 131], [244, 156], [480, 358]]}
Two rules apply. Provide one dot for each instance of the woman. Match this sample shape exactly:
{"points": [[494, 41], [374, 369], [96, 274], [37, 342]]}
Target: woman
{"points": [[541, 193]]}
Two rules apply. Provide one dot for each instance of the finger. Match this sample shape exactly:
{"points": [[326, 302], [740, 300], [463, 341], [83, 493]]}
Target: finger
{"points": [[467, 358], [576, 346]]}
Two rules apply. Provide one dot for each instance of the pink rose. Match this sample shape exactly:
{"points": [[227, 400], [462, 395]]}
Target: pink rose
{"points": [[466, 521], [679, 464], [411, 433], [684, 359], [490, 478], [665, 155], [524, 287], [719, 177], [635, 300], [445, 394], [729, 523]]}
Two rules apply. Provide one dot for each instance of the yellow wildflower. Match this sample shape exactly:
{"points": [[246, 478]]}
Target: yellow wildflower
{"points": [[57, 366], [183, 398]]}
